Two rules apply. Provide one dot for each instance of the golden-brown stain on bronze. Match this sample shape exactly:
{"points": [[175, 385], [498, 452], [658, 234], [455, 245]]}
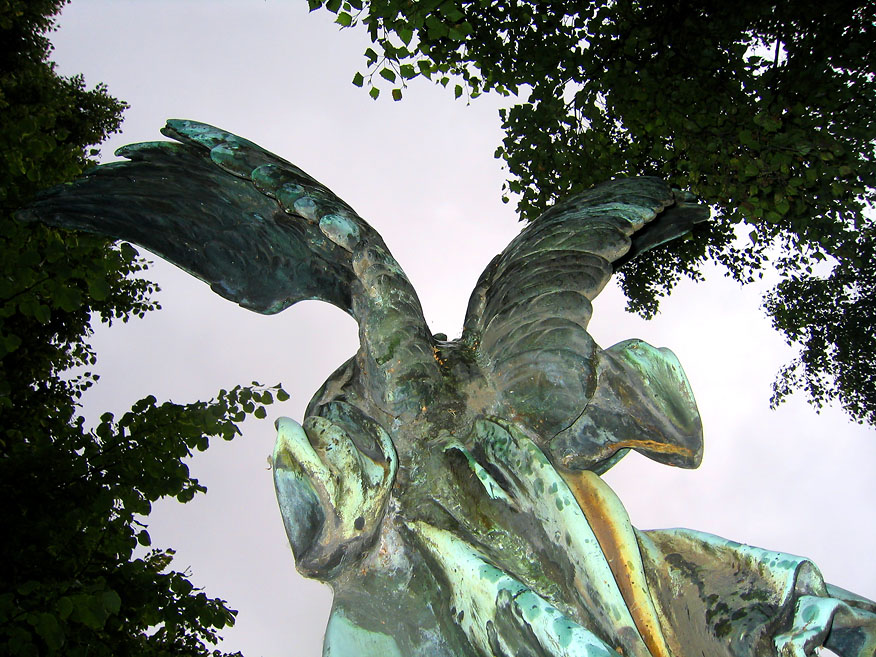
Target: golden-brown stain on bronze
{"points": [[611, 525], [652, 446]]}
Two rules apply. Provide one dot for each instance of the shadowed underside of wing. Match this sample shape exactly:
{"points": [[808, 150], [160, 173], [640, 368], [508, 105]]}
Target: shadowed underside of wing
{"points": [[261, 232], [228, 212], [528, 314]]}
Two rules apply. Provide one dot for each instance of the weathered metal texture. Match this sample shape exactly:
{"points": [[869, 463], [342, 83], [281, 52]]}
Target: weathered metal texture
{"points": [[449, 491]]}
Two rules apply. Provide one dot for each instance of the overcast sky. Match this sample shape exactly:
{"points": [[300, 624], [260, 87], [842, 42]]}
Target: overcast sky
{"points": [[422, 173]]}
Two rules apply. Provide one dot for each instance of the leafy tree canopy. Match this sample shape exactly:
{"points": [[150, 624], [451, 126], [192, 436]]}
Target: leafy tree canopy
{"points": [[764, 110], [75, 498]]}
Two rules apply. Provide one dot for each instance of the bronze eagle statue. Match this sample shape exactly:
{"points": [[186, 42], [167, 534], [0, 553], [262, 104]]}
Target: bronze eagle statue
{"points": [[449, 490]]}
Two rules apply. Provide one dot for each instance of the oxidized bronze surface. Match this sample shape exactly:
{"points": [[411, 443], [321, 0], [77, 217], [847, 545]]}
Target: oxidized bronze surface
{"points": [[449, 491]]}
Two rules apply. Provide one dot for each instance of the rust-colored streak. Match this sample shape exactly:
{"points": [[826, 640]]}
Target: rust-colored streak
{"points": [[653, 446], [611, 526]]}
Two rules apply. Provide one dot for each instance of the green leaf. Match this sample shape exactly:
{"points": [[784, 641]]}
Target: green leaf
{"points": [[387, 74], [260, 413], [344, 19], [406, 35], [111, 602], [28, 587], [89, 611], [64, 607], [396, 94], [181, 586], [185, 495], [358, 79], [451, 11], [333, 5], [746, 138], [98, 289], [41, 313], [782, 206], [457, 91], [435, 28], [9, 343], [68, 298], [49, 630]]}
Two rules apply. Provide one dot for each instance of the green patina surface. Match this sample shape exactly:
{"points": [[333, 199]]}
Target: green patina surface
{"points": [[344, 638], [444, 488]]}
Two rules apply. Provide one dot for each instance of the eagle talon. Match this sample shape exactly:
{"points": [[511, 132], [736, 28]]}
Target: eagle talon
{"points": [[332, 495]]}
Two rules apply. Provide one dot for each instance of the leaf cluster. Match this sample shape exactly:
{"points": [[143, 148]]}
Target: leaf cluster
{"points": [[76, 498], [763, 110]]}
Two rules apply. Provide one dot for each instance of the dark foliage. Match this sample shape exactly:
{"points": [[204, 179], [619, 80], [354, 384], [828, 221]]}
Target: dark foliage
{"points": [[75, 499], [764, 110]]}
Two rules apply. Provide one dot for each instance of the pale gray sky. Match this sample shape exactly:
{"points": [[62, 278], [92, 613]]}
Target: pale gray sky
{"points": [[422, 173]]}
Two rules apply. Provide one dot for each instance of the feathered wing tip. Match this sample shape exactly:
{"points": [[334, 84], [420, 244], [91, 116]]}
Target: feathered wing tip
{"points": [[225, 211], [258, 229], [528, 316]]}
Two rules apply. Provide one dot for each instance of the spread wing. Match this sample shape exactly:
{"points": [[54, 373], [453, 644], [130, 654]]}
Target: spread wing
{"points": [[230, 213], [261, 232], [528, 316]]}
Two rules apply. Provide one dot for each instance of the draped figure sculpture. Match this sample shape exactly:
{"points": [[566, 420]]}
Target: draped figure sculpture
{"points": [[449, 491]]}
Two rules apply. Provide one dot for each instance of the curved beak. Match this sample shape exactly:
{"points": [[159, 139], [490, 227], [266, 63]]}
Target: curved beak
{"points": [[642, 401]]}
